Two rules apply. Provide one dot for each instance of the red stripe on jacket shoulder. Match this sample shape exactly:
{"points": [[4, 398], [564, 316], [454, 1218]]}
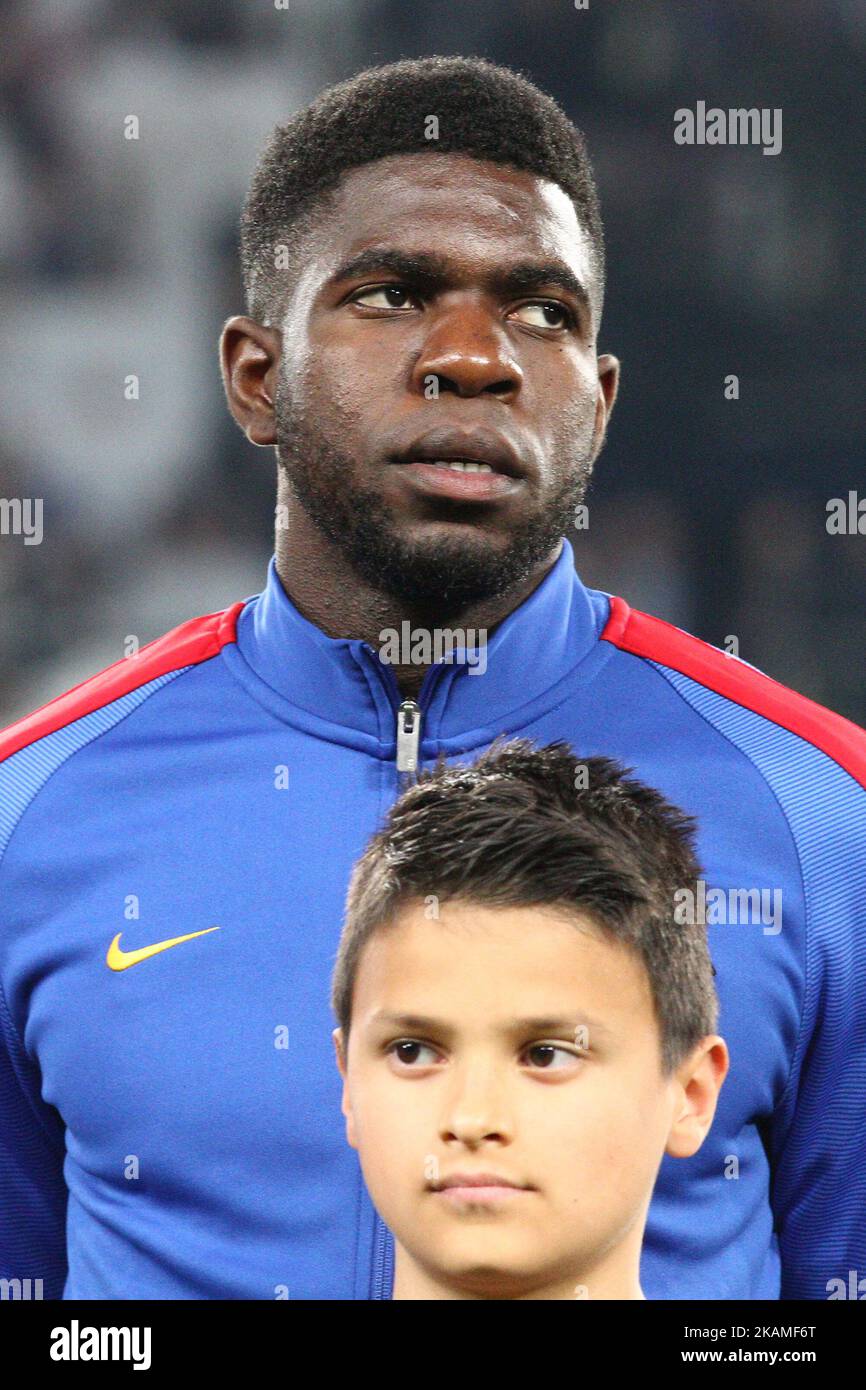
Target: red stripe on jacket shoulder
{"points": [[186, 645], [653, 638]]}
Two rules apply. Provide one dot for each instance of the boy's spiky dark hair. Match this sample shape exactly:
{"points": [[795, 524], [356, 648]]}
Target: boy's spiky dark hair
{"points": [[523, 827], [483, 110]]}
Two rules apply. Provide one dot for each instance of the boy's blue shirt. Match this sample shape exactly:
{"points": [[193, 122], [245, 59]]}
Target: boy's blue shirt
{"points": [[172, 1129]]}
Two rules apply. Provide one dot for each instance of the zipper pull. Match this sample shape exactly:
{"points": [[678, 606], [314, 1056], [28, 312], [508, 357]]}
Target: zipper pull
{"points": [[408, 735]]}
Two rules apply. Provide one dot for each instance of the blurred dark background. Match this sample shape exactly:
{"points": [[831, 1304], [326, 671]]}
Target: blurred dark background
{"points": [[119, 257]]}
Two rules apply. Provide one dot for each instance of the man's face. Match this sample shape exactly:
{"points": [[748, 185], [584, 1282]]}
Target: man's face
{"points": [[445, 311], [536, 1060]]}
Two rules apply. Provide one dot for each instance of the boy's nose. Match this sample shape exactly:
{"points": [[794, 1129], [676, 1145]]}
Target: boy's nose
{"points": [[477, 1108]]}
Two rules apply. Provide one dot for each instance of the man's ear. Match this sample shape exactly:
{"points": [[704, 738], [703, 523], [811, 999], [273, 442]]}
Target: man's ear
{"points": [[697, 1083], [608, 389], [346, 1105], [249, 362]]}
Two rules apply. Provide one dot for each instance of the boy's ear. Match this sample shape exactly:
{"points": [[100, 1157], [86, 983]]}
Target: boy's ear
{"points": [[337, 1037], [346, 1105], [698, 1081]]}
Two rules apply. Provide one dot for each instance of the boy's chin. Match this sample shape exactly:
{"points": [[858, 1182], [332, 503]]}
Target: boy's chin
{"points": [[492, 1283], [502, 1274]]}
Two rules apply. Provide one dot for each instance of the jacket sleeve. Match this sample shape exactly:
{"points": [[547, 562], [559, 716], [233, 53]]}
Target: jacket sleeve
{"points": [[33, 1192], [819, 1135]]}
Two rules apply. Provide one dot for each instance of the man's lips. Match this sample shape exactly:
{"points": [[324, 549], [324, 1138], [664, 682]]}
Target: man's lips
{"points": [[476, 446], [425, 461], [435, 480]]}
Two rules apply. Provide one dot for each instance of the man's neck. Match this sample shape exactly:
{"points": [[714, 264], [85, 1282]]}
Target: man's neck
{"points": [[329, 593]]}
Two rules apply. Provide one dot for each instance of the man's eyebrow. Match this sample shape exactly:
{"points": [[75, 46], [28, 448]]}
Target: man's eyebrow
{"points": [[426, 269], [529, 277], [418, 266]]}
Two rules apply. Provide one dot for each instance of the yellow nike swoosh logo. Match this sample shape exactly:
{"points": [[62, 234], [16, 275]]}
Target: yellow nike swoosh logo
{"points": [[122, 960]]}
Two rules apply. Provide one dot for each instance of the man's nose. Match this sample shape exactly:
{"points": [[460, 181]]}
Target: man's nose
{"points": [[467, 351]]}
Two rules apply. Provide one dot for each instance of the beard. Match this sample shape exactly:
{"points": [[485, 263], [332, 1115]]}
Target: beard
{"points": [[448, 572]]}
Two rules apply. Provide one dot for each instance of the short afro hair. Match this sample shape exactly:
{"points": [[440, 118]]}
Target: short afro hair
{"points": [[483, 110]]}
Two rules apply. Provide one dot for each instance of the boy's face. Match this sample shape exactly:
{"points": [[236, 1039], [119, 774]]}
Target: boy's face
{"points": [[512, 1042]]}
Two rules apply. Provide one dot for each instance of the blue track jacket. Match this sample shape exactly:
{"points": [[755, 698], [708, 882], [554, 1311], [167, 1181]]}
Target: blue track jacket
{"points": [[172, 1129]]}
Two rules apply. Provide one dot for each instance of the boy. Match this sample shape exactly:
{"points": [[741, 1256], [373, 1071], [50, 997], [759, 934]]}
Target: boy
{"points": [[525, 1027]]}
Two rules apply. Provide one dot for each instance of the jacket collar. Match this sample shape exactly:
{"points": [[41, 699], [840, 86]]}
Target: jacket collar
{"points": [[343, 681]]}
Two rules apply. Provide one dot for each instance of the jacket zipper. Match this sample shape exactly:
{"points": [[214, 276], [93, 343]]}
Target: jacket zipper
{"points": [[383, 1261], [409, 720], [409, 717]]}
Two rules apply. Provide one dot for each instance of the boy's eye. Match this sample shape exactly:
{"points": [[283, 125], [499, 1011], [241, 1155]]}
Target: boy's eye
{"points": [[550, 1057], [543, 313], [407, 1051], [384, 297]]}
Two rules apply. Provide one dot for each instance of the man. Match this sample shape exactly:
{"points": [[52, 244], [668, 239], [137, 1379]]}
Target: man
{"points": [[423, 260]]}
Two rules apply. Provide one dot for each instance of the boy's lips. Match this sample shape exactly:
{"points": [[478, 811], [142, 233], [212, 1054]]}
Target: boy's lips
{"points": [[478, 1187]]}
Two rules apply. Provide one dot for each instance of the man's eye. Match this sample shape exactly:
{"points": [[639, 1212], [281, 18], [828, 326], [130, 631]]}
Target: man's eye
{"points": [[407, 1052], [543, 313], [384, 297], [549, 1057]]}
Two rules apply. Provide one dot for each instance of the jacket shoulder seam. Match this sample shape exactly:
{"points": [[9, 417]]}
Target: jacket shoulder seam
{"points": [[191, 643], [653, 639]]}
